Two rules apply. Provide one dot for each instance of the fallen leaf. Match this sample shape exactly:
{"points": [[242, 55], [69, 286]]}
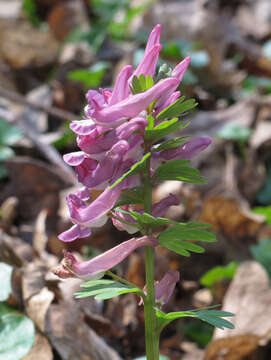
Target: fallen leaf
{"points": [[72, 338], [41, 349], [252, 315], [25, 46]]}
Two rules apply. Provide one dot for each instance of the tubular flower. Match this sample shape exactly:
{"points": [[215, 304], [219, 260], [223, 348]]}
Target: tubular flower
{"points": [[165, 287], [183, 152], [96, 267]]}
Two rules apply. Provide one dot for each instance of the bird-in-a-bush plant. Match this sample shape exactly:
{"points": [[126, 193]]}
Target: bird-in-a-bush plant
{"points": [[123, 152]]}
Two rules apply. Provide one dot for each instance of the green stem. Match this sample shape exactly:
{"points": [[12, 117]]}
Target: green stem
{"points": [[120, 279], [151, 337]]}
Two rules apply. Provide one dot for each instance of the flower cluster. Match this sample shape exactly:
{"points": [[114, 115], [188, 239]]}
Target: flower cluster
{"points": [[111, 141]]}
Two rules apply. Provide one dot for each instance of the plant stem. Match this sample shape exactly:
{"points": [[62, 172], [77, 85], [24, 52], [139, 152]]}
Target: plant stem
{"points": [[120, 279], [151, 337]]}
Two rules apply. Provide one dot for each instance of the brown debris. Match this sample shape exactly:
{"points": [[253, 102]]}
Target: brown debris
{"points": [[24, 46]]}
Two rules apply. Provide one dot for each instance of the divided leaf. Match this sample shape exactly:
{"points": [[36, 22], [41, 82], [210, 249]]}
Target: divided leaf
{"points": [[176, 170], [177, 108], [176, 238], [212, 317], [135, 169], [171, 144], [105, 289]]}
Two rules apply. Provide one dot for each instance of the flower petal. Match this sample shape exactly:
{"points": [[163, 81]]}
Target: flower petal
{"points": [[147, 65], [83, 127], [121, 89], [154, 37], [160, 208], [74, 158], [74, 233], [114, 115], [165, 287], [97, 266], [188, 150]]}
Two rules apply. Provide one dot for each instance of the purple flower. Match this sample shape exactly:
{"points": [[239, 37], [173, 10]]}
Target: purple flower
{"points": [[86, 216], [111, 139], [96, 267], [188, 150], [133, 105], [165, 287], [183, 152]]}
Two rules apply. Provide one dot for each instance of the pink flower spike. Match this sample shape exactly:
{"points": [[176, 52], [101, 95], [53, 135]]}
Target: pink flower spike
{"points": [[165, 287], [121, 89], [96, 267], [112, 116], [154, 37]]}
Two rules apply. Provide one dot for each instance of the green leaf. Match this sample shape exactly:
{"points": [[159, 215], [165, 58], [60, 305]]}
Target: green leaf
{"points": [[212, 317], [165, 128], [141, 83], [171, 144], [174, 238], [135, 169], [198, 331], [150, 120], [181, 247], [67, 137], [5, 153], [218, 273], [264, 210], [5, 309], [262, 253], [17, 334], [176, 170], [177, 108], [178, 232], [9, 134], [5, 281], [105, 289], [131, 196], [235, 132], [91, 77], [30, 9]]}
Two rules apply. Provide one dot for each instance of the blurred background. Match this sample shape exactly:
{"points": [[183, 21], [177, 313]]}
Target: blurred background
{"points": [[51, 53]]}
